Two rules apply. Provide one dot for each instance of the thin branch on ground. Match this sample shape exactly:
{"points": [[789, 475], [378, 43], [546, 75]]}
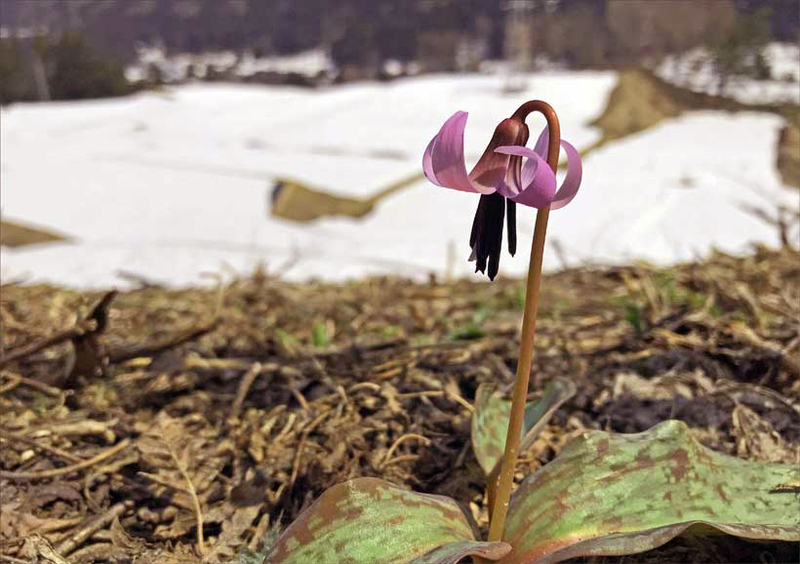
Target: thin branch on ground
{"points": [[55, 472]]}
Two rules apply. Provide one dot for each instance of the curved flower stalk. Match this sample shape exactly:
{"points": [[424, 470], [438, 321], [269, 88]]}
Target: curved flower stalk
{"points": [[501, 178], [498, 175]]}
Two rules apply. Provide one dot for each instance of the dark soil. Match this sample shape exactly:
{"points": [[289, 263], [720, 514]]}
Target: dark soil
{"points": [[264, 393]]}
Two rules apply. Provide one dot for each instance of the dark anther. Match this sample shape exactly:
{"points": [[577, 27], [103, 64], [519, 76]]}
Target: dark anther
{"points": [[511, 215], [486, 238], [477, 227]]}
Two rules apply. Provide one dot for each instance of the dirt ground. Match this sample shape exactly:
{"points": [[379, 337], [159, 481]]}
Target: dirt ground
{"points": [[130, 419]]}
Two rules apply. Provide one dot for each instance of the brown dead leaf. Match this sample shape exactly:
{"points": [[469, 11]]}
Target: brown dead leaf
{"points": [[231, 539], [122, 541], [758, 439], [15, 523], [182, 463], [37, 547], [91, 357], [628, 383], [45, 494]]}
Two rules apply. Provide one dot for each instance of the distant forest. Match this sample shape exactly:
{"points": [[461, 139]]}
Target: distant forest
{"points": [[350, 29], [73, 49]]}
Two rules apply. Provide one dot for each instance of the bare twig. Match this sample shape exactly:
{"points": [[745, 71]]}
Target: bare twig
{"points": [[6, 558], [92, 525], [149, 349], [424, 440], [401, 458], [244, 387], [16, 380], [55, 472], [56, 339], [47, 448], [371, 385], [303, 437], [301, 399], [439, 393]]}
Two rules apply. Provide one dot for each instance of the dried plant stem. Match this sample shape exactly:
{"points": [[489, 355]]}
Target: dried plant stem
{"points": [[508, 463], [425, 440], [93, 525], [244, 387], [56, 339], [40, 446], [6, 558], [16, 379], [198, 511], [56, 472]]}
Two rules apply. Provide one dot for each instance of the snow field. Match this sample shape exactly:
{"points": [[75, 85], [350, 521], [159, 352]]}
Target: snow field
{"points": [[173, 186]]}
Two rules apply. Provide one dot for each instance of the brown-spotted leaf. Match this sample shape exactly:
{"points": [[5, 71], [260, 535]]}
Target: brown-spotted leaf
{"points": [[367, 520], [490, 421], [615, 494], [455, 551]]}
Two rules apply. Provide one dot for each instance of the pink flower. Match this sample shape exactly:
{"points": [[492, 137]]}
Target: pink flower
{"points": [[502, 180]]}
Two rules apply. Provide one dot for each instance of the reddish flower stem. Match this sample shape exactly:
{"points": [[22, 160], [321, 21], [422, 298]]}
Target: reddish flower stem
{"points": [[509, 460]]}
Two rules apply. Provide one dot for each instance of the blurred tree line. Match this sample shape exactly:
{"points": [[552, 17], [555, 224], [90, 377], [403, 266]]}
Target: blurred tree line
{"points": [[64, 68], [740, 51], [365, 33]]}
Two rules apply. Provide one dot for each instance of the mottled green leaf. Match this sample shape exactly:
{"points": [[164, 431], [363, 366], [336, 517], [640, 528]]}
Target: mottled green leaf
{"points": [[490, 421], [458, 550], [614, 494], [368, 520]]}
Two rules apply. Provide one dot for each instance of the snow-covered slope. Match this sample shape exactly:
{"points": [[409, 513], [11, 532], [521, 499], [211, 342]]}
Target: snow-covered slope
{"points": [[695, 70], [173, 185]]}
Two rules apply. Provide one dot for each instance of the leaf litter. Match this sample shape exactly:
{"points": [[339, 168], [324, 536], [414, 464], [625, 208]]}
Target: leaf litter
{"points": [[234, 409]]}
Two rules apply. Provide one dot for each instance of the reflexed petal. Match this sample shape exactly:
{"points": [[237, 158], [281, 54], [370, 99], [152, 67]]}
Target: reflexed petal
{"points": [[573, 179], [538, 179], [443, 161], [536, 174], [427, 165], [541, 143]]}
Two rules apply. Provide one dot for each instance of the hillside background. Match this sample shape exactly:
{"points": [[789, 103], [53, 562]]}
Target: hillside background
{"points": [[44, 40]]}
